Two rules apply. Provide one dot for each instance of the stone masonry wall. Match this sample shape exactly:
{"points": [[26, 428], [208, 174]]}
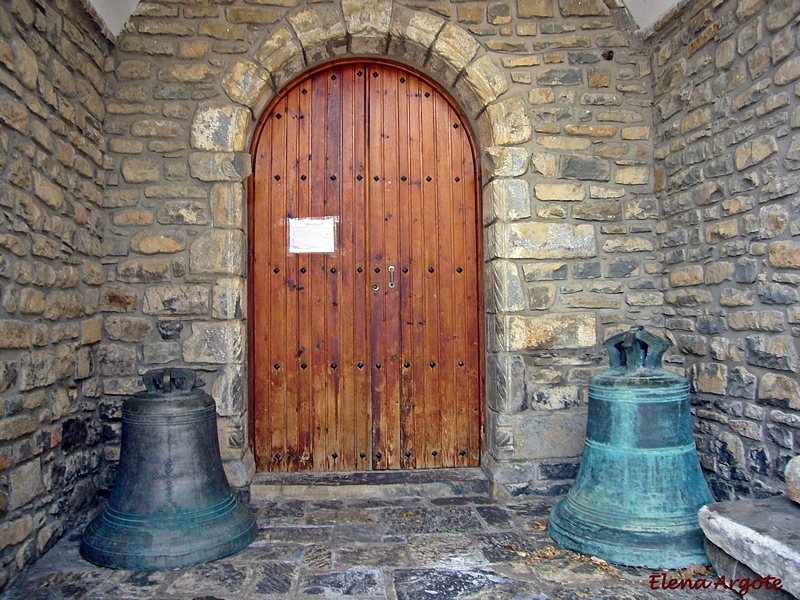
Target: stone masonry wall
{"points": [[727, 151], [52, 171], [559, 95]]}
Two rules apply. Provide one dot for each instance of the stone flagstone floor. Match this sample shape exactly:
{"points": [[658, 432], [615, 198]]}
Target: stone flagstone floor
{"points": [[403, 549]]}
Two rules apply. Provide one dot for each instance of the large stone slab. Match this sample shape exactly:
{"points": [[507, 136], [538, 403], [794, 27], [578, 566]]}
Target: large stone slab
{"points": [[762, 534]]}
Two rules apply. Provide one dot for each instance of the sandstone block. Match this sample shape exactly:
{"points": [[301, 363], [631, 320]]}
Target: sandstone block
{"points": [[227, 205], [542, 296], [632, 176], [16, 531], [26, 66], [275, 52], [774, 352], [220, 127], [583, 8], [141, 270], [166, 242], [544, 163], [507, 286], [219, 166], [722, 230], [14, 427], [127, 329], [15, 334], [253, 15], [367, 18], [222, 31], [644, 299], [691, 275], [161, 353], [780, 13], [711, 378], [214, 342], [747, 8], [563, 192], [784, 254], [527, 9], [560, 76], [116, 359], [541, 96], [182, 212], [591, 131], [510, 199], [628, 244], [140, 170], [546, 332], [510, 124], [545, 240], [610, 210], [172, 299], [416, 26], [37, 369], [187, 73], [218, 251], [317, 26], [505, 161], [486, 79], [750, 320], [779, 390], [118, 298], [455, 46], [552, 142], [755, 151]]}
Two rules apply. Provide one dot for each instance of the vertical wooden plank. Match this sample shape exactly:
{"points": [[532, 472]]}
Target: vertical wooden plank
{"points": [[363, 293], [302, 399], [404, 281]]}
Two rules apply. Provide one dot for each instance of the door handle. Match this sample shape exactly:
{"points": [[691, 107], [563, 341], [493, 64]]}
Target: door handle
{"points": [[391, 276]]}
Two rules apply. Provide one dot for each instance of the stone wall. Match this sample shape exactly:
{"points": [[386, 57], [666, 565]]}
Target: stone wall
{"points": [[727, 151], [53, 61], [559, 96]]}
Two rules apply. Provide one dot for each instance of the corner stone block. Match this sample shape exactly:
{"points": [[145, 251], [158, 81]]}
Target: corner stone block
{"points": [[246, 84], [220, 127], [510, 199], [228, 391], [174, 299], [367, 18], [278, 50], [507, 287], [220, 166], [219, 251], [545, 240], [228, 298], [456, 46], [486, 79], [510, 124], [549, 435], [215, 342], [227, 205], [546, 332], [505, 162], [317, 26], [418, 27]]}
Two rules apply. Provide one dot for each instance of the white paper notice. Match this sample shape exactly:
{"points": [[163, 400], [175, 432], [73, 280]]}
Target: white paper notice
{"points": [[312, 235]]}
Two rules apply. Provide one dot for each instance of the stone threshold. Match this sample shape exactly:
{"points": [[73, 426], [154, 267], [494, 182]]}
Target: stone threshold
{"points": [[755, 539], [421, 483]]}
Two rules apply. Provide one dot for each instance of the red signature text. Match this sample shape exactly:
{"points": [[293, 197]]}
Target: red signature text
{"points": [[739, 585]]}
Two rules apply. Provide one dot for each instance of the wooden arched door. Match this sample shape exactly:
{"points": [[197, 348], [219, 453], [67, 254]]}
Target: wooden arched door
{"points": [[365, 302]]}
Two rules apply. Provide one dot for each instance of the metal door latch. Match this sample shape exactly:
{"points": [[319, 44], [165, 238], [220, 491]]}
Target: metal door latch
{"points": [[391, 276]]}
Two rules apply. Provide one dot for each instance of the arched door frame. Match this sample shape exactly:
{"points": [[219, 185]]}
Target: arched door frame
{"points": [[478, 251]]}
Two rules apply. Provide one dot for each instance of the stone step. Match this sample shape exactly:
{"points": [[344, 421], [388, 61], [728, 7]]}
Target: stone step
{"points": [[422, 483]]}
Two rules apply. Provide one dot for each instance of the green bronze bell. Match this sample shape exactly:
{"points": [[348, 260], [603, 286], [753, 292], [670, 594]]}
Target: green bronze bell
{"points": [[639, 486]]}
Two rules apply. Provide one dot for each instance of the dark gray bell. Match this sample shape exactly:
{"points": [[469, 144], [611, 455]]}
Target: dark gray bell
{"points": [[171, 505]]}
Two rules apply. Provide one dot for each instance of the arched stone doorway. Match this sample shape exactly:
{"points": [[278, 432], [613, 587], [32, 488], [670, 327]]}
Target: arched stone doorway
{"points": [[367, 347]]}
